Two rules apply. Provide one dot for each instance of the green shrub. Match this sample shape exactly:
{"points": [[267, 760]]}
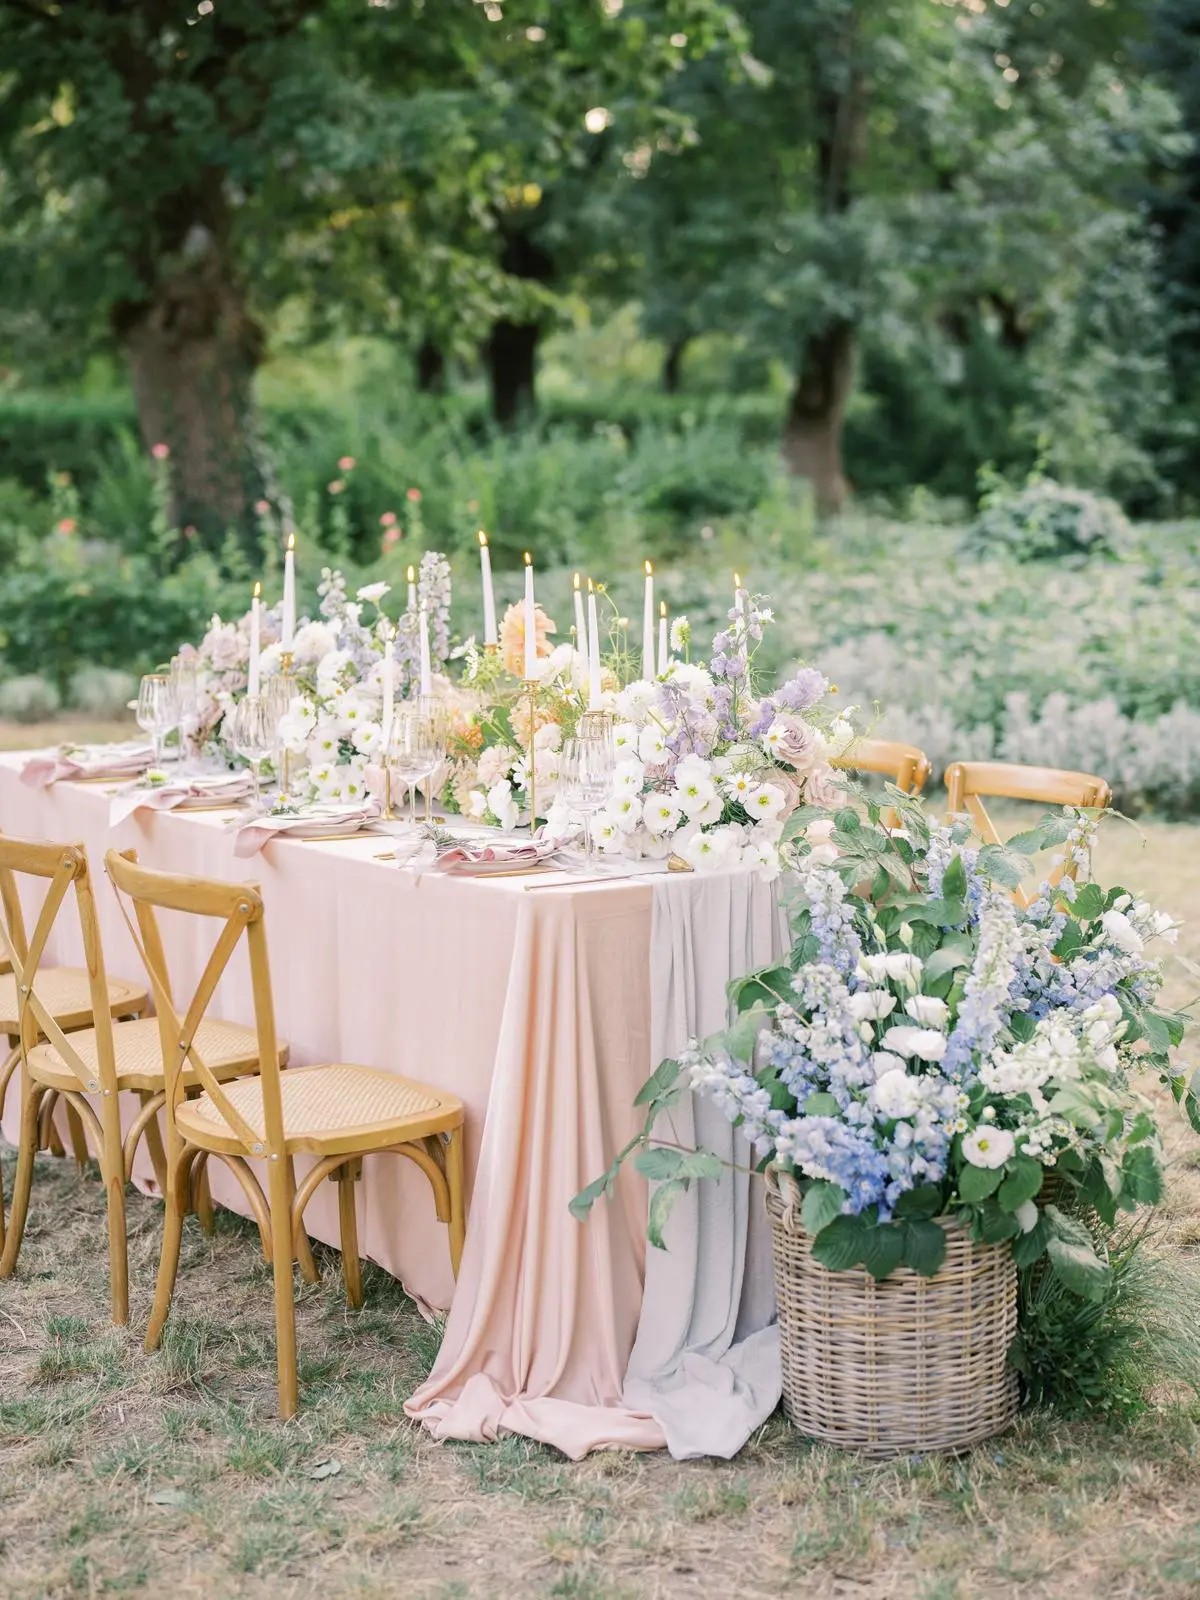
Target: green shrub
{"points": [[1046, 521], [28, 698], [101, 691]]}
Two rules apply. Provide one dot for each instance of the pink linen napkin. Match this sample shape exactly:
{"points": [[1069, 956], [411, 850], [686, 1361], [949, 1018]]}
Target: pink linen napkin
{"points": [[337, 822], [464, 857], [87, 761], [185, 792]]}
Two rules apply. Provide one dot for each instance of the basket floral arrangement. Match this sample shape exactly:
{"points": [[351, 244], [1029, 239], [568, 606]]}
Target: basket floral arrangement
{"points": [[932, 1048]]}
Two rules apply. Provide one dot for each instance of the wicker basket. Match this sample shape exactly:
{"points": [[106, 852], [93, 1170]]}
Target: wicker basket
{"points": [[905, 1365]]}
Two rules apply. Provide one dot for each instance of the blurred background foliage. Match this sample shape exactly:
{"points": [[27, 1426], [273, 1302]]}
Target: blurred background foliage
{"points": [[895, 303]]}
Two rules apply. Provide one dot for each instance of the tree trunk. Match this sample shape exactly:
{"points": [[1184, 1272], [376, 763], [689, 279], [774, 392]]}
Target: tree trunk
{"points": [[511, 351], [431, 367], [812, 440], [672, 369], [193, 350]]}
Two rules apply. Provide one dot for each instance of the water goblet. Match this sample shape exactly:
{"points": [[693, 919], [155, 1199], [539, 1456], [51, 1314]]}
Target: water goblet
{"points": [[185, 687], [585, 781], [254, 734], [157, 710], [416, 748]]}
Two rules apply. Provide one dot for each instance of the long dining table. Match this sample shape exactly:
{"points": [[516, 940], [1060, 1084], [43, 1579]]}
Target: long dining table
{"points": [[538, 999]]}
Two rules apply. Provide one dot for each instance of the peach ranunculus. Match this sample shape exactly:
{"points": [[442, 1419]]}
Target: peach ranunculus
{"points": [[512, 637]]}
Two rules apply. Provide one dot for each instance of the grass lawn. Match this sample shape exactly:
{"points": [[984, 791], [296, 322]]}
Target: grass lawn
{"points": [[128, 1474]]}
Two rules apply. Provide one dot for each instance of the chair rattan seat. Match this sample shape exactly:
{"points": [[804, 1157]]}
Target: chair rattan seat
{"points": [[66, 996], [228, 1049], [326, 1109]]}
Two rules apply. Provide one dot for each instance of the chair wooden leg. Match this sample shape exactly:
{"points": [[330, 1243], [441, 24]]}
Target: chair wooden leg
{"points": [[48, 1138], [301, 1247], [31, 1098], [168, 1261], [79, 1144], [347, 1180], [458, 1211], [154, 1145], [11, 1063], [202, 1196], [280, 1200]]}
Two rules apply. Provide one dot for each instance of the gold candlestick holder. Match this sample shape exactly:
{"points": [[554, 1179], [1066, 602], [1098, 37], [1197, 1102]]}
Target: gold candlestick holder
{"points": [[287, 679], [531, 689]]}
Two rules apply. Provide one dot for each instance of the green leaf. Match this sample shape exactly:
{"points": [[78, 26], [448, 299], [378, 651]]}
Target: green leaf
{"points": [[954, 880], [925, 939], [658, 1163], [662, 1203], [847, 820], [761, 988], [976, 1183], [581, 1205], [1088, 902], [995, 1225], [739, 1038], [999, 866], [942, 962], [661, 1079], [1078, 1267], [924, 1246], [883, 1249], [1022, 1182], [1069, 940], [1143, 1174], [839, 1246], [1022, 1026], [822, 1203], [1030, 1247], [920, 1204], [820, 1104]]}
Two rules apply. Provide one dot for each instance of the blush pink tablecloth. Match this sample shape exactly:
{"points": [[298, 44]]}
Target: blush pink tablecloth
{"points": [[529, 998]]}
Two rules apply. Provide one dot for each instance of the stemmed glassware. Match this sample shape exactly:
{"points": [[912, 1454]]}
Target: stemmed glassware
{"points": [[416, 748], [585, 780], [157, 709], [254, 733], [186, 690]]}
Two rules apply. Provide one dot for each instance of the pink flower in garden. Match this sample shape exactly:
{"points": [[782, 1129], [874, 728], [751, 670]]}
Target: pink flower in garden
{"points": [[336, 486], [190, 531], [388, 519], [391, 538], [413, 494], [67, 525], [160, 451], [262, 507], [346, 463]]}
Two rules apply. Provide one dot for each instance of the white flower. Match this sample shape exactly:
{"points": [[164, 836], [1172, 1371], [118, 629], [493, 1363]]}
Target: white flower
{"points": [[608, 836], [884, 1061], [312, 642], [350, 711], [625, 738], [706, 852], [629, 777], [765, 800], [502, 805], [681, 633], [661, 814], [871, 1003], [367, 736], [1027, 1216], [635, 700], [270, 659], [738, 785], [373, 593], [652, 746], [762, 856], [694, 788], [695, 681], [476, 803], [898, 965], [548, 737], [1120, 931], [323, 743], [711, 811], [330, 669], [895, 1094], [625, 810], [927, 1044], [988, 1147], [927, 1010]]}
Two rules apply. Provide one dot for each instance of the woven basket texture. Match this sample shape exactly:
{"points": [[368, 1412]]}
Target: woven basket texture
{"points": [[902, 1366]]}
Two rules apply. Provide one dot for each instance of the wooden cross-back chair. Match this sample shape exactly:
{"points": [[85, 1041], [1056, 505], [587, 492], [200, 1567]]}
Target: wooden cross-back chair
{"points": [[337, 1113], [77, 1052], [906, 766], [969, 783]]}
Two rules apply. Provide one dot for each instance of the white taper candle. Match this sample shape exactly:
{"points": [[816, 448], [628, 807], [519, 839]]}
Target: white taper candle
{"points": [[530, 622], [648, 627], [490, 634], [255, 650], [289, 593]]}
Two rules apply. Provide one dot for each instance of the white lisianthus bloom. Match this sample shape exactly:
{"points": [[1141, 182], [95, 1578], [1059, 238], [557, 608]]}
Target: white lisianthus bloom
{"points": [[607, 836], [927, 1010], [635, 700], [367, 737], [270, 659], [330, 669], [350, 711], [323, 742], [896, 1095], [871, 1004], [354, 783], [625, 810], [903, 968], [661, 814], [694, 789], [629, 777], [323, 776], [765, 800], [1118, 930], [707, 852], [373, 593], [625, 739], [476, 803], [927, 1044], [502, 805], [652, 745], [712, 811], [762, 856], [884, 1061], [988, 1147]]}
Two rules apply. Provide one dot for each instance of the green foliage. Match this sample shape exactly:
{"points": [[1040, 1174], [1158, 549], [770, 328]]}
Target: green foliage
{"points": [[28, 698], [1046, 522]]}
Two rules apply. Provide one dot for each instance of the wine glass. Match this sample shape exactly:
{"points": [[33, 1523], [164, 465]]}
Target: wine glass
{"points": [[276, 693], [254, 735], [157, 711], [585, 780], [186, 690], [416, 748]]}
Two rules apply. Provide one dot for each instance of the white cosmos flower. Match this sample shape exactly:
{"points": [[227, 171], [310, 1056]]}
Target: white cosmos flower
{"points": [[871, 1004], [927, 1010], [661, 814], [765, 800], [738, 785], [927, 1044], [629, 777], [988, 1147], [373, 593], [652, 745]]}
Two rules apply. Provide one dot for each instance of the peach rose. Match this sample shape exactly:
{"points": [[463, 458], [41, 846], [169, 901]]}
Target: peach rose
{"points": [[512, 637]]}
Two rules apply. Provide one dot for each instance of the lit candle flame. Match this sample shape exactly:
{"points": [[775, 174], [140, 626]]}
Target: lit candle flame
{"points": [[257, 590], [662, 608], [412, 574], [291, 541], [737, 582], [528, 559], [577, 580], [649, 570], [482, 539], [591, 587]]}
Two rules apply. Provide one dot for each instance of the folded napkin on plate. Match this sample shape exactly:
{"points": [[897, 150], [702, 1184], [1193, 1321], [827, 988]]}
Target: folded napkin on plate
{"points": [[329, 822], [87, 761], [481, 856], [180, 793]]}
